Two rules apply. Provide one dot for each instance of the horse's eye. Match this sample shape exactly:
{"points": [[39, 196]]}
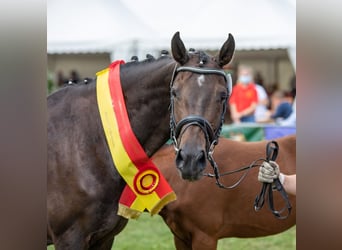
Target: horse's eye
{"points": [[173, 92], [223, 96]]}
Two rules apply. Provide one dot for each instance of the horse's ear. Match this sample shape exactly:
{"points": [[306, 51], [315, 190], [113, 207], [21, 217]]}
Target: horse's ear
{"points": [[226, 52], [178, 49]]}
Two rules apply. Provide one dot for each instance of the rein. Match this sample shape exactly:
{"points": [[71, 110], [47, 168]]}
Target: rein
{"points": [[266, 190], [195, 120], [272, 153]]}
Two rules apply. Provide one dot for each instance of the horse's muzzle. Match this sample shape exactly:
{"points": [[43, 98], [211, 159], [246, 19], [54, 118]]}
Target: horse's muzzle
{"points": [[191, 163]]}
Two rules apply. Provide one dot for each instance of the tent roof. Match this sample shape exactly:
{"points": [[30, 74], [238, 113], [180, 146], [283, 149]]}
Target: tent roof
{"points": [[255, 24], [110, 25], [91, 26]]}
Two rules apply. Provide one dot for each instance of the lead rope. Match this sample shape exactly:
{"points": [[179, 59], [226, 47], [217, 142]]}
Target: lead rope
{"points": [[217, 174], [271, 154]]}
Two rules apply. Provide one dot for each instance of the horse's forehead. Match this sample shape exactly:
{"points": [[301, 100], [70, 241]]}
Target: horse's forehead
{"points": [[200, 85], [201, 59], [191, 81]]}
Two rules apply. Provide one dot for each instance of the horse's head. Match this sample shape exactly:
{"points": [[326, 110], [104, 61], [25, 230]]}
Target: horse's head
{"points": [[199, 94]]}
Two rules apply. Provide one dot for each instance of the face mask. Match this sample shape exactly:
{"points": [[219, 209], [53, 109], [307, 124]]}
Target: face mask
{"points": [[245, 79]]}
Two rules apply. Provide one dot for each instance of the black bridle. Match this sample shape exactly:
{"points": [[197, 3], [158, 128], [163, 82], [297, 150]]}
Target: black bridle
{"points": [[211, 136]]}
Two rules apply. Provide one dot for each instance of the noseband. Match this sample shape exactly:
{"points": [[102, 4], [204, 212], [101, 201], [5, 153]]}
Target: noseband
{"points": [[211, 136]]}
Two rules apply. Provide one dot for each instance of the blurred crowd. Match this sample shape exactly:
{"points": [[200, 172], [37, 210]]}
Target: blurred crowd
{"points": [[251, 102]]}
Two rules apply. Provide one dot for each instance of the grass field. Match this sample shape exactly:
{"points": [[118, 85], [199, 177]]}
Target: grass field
{"points": [[150, 233]]}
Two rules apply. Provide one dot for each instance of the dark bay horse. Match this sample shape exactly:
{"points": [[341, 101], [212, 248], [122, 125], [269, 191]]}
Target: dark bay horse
{"points": [[204, 213], [83, 184]]}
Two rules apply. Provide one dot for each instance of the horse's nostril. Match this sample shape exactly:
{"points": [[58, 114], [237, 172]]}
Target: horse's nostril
{"points": [[201, 157], [180, 158]]}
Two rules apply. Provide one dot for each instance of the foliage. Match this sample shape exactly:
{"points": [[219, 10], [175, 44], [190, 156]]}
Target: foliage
{"points": [[51, 86]]}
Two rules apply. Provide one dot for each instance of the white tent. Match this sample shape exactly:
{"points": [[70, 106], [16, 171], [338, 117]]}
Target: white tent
{"points": [[87, 26], [255, 23], [133, 26]]}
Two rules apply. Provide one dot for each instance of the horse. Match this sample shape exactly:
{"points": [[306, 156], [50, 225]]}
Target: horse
{"points": [[83, 183], [204, 213]]}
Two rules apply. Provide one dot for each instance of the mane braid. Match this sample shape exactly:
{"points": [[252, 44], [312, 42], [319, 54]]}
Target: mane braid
{"points": [[84, 81], [146, 61]]}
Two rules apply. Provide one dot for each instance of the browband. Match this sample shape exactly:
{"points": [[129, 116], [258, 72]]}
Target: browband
{"points": [[227, 77]]}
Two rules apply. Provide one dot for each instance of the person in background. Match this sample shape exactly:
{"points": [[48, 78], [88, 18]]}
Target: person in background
{"points": [[60, 79], [244, 98], [281, 108], [74, 76], [281, 105], [291, 120], [269, 171], [263, 100], [261, 110]]}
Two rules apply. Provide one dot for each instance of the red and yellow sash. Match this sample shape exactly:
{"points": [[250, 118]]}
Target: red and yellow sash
{"points": [[146, 187]]}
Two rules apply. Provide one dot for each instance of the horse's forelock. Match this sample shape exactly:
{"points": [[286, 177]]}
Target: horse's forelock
{"points": [[200, 58]]}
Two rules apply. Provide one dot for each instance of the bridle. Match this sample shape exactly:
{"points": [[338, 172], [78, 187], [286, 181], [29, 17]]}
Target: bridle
{"points": [[211, 136]]}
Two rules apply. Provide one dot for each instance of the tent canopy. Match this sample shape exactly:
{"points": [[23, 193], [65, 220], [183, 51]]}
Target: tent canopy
{"points": [[87, 26], [123, 27]]}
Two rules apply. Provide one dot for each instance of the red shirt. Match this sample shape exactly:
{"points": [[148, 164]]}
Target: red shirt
{"points": [[243, 96]]}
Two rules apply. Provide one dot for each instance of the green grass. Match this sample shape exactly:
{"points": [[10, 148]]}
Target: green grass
{"points": [[283, 241], [149, 233]]}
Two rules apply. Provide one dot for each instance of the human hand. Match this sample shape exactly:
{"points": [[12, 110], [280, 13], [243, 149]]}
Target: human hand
{"points": [[236, 117], [268, 172]]}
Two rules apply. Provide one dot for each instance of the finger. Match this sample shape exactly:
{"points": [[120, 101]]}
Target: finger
{"points": [[266, 165], [274, 164], [267, 171], [264, 178]]}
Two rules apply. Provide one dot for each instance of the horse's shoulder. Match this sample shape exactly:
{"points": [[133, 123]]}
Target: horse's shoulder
{"points": [[164, 152]]}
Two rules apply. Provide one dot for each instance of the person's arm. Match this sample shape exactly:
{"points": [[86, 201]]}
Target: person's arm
{"points": [[289, 183], [248, 111], [234, 114], [254, 101], [263, 101]]}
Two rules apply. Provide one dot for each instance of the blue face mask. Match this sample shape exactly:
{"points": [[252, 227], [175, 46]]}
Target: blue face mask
{"points": [[245, 79]]}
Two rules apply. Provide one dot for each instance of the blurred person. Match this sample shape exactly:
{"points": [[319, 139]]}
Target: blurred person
{"points": [[244, 98], [269, 171], [60, 79], [291, 120], [281, 105], [272, 88], [281, 108], [293, 86], [263, 100], [74, 76], [261, 110]]}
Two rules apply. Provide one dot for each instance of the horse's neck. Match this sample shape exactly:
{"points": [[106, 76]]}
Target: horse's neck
{"points": [[146, 89]]}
